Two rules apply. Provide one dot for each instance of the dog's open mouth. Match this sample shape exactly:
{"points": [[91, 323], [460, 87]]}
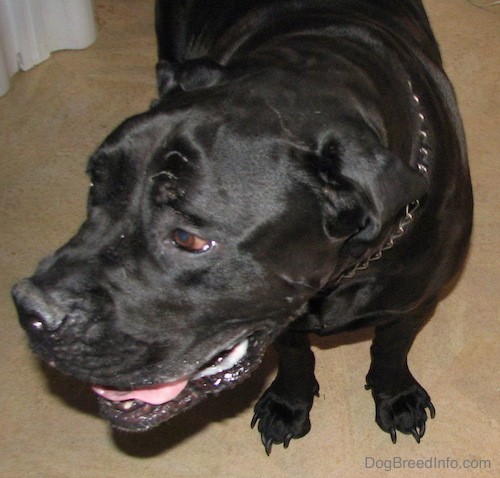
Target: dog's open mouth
{"points": [[144, 408]]}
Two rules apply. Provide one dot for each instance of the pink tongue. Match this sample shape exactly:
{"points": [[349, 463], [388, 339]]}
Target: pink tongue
{"points": [[155, 395]]}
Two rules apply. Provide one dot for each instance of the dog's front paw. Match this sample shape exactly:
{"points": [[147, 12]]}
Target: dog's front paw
{"points": [[282, 417], [404, 411]]}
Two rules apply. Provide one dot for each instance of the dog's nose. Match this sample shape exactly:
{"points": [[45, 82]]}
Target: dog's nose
{"points": [[37, 312]]}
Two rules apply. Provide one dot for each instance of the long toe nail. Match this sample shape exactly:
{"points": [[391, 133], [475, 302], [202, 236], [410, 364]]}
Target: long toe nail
{"points": [[422, 429], [255, 418], [394, 438], [269, 446]]}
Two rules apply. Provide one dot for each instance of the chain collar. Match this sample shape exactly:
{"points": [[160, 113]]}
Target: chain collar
{"points": [[424, 150], [423, 166], [389, 244]]}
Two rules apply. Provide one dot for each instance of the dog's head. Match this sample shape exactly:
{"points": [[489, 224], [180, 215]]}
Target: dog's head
{"points": [[213, 219]]}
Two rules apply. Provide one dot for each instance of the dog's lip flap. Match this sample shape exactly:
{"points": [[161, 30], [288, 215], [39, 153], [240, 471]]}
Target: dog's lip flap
{"points": [[154, 395], [165, 392]]}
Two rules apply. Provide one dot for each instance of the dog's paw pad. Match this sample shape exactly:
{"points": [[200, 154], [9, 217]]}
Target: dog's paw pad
{"points": [[405, 412], [280, 419]]}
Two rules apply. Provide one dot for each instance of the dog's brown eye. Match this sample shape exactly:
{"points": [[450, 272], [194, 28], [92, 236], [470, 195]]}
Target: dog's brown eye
{"points": [[190, 242]]}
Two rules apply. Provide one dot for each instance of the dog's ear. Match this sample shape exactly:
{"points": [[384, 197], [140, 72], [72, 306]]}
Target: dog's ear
{"points": [[188, 76], [362, 198], [165, 77]]}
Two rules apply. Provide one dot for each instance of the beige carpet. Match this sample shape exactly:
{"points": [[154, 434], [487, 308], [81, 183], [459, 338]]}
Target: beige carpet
{"points": [[52, 119]]}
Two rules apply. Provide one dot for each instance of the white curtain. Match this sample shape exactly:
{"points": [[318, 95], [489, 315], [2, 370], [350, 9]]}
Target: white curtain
{"points": [[31, 29]]}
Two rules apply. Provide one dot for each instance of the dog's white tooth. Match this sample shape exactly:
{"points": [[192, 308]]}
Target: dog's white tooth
{"points": [[225, 363], [128, 404]]}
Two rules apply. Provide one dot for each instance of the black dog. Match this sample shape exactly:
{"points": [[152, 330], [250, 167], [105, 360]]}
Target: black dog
{"points": [[304, 170]]}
